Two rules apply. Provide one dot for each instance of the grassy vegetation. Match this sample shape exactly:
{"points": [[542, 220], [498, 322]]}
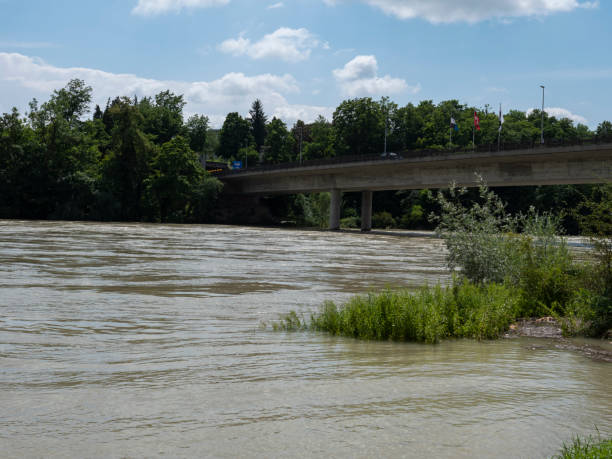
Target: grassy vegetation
{"points": [[508, 267], [428, 315], [586, 448]]}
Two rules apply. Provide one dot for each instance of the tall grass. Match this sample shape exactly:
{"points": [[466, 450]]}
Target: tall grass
{"points": [[427, 315], [586, 448]]}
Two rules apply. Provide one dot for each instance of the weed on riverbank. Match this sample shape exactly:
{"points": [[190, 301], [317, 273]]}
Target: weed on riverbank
{"points": [[428, 315], [586, 448]]}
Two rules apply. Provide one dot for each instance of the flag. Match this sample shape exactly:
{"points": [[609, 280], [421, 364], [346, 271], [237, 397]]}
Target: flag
{"points": [[476, 121], [453, 124], [501, 118]]}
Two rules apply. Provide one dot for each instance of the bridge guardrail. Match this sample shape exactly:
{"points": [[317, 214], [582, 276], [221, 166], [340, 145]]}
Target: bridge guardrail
{"points": [[505, 146]]}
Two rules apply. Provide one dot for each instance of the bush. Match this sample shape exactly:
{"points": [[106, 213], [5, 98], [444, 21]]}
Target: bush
{"points": [[483, 242], [478, 239], [313, 209], [413, 218], [383, 220], [350, 222]]}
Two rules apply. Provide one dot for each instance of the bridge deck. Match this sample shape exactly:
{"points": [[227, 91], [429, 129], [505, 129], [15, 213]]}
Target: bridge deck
{"points": [[537, 166]]}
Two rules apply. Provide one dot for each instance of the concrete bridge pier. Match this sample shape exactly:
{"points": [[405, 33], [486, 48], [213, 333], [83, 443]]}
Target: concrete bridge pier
{"points": [[335, 206], [366, 211]]}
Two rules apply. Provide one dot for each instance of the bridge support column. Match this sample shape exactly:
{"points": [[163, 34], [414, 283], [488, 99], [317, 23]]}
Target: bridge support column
{"points": [[366, 210], [335, 206]]}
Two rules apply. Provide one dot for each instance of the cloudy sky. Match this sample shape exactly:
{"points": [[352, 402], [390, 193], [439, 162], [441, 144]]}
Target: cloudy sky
{"points": [[303, 57]]}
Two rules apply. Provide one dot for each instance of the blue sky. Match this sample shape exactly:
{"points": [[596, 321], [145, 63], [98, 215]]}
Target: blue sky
{"points": [[303, 57]]}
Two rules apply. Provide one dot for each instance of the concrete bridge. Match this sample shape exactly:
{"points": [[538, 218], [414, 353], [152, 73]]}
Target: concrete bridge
{"points": [[415, 170]]}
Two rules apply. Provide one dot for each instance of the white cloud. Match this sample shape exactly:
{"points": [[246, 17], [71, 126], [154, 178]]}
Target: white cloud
{"points": [[306, 113], [472, 11], [359, 77], [23, 77], [560, 113], [290, 45], [276, 5], [151, 7]]}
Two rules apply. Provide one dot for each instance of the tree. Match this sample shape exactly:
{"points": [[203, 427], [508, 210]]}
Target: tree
{"points": [[359, 127], [235, 134], [98, 113], [197, 130], [71, 102], [604, 130], [258, 124], [163, 116], [175, 174], [127, 165], [320, 136], [279, 142]]}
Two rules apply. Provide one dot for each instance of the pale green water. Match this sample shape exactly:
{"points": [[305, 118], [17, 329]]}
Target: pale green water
{"points": [[143, 340]]}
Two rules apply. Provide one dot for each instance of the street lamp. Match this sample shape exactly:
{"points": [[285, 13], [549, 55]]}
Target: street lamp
{"points": [[542, 137], [301, 136]]}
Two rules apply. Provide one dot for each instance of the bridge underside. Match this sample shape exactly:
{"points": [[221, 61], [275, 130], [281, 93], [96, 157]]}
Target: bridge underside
{"points": [[568, 165]]}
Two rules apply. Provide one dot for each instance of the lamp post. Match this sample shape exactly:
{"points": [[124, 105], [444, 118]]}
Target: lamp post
{"points": [[301, 136], [386, 120], [542, 129]]}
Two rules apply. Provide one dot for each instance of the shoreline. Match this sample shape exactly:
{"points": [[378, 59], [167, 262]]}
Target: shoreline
{"points": [[548, 328]]}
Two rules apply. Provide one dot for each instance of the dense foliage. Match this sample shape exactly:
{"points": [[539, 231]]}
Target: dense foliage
{"points": [[483, 242], [134, 160]]}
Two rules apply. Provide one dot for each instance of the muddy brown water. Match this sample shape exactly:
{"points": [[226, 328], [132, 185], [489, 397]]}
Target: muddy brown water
{"points": [[121, 340]]}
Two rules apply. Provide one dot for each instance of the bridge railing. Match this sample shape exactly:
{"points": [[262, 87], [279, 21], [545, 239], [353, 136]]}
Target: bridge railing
{"points": [[423, 153]]}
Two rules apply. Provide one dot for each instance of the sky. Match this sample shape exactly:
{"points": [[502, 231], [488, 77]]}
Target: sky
{"points": [[301, 58]]}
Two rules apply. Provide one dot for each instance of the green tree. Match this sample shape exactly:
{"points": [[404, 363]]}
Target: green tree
{"points": [[69, 165], [321, 140], [235, 134], [604, 130], [197, 131], [175, 174], [162, 116], [127, 164], [359, 127], [279, 142], [258, 122]]}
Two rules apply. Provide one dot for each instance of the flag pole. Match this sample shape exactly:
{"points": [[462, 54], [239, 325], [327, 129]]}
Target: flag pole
{"points": [[500, 129]]}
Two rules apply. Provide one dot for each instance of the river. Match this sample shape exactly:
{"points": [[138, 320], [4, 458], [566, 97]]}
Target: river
{"points": [[135, 340]]}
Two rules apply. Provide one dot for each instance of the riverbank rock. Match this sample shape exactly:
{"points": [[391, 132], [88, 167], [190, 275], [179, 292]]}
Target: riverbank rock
{"points": [[549, 327], [543, 327]]}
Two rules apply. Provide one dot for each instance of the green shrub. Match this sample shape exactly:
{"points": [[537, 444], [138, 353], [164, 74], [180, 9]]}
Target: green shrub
{"points": [[478, 239], [350, 222], [414, 217], [383, 220], [483, 242], [427, 315]]}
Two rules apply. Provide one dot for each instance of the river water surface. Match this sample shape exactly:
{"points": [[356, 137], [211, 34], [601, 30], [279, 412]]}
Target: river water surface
{"points": [[121, 340]]}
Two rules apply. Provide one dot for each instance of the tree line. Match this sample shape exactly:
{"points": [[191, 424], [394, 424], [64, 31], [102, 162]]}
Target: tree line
{"points": [[140, 160], [133, 161], [360, 127]]}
